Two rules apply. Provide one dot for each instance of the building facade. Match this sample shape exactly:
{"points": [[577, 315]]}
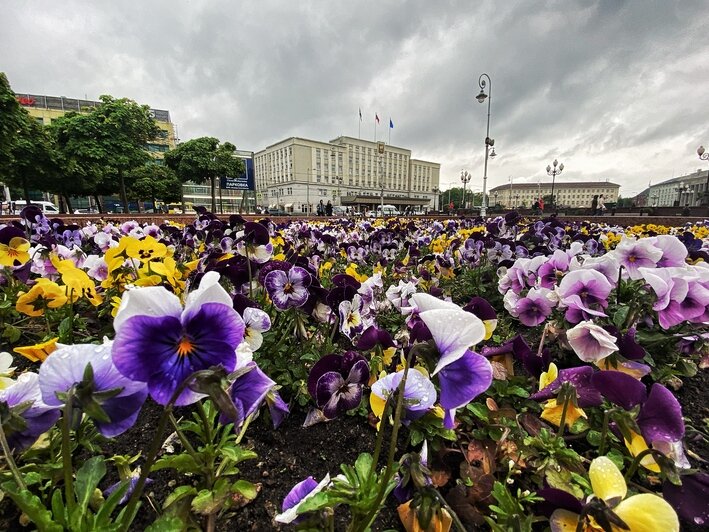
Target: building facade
{"points": [[578, 195], [295, 174], [686, 191]]}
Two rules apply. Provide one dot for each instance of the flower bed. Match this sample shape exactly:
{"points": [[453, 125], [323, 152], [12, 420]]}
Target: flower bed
{"points": [[333, 374]]}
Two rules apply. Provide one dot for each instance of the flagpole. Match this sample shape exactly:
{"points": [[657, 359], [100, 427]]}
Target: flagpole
{"points": [[375, 129], [389, 131], [359, 125]]}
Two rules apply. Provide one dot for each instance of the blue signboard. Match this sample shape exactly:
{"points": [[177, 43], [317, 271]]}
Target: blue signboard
{"points": [[244, 181]]}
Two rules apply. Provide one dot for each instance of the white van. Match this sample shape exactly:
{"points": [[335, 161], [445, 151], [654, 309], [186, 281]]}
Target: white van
{"points": [[47, 206], [387, 210]]}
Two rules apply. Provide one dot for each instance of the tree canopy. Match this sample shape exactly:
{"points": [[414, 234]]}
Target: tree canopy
{"points": [[204, 159]]}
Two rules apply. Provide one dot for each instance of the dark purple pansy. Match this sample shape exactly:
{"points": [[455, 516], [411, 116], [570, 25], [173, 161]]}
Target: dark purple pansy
{"points": [[374, 336], [336, 382], [38, 418], [660, 417], [691, 499], [580, 378], [555, 499], [344, 288], [481, 308], [620, 388], [9, 232], [288, 289], [462, 381], [119, 397]]}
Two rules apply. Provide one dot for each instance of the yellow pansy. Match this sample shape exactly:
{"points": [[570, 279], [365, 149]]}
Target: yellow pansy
{"points": [[145, 250], [441, 520], [552, 413], [44, 294], [116, 256], [38, 352], [79, 284], [644, 512], [15, 253], [352, 270], [637, 445], [548, 376]]}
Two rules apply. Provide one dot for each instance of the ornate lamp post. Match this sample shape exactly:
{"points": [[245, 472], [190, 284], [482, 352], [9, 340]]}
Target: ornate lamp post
{"points": [[489, 143], [681, 189], [554, 169], [435, 191], [465, 177]]}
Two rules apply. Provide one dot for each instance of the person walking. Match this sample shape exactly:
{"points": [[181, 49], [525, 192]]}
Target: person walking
{"points": [[601, 205], [328, 208], [321, 209], [594, 205]]}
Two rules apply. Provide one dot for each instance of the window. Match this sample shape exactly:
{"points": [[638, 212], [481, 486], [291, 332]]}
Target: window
{"points": [[156, 148]]}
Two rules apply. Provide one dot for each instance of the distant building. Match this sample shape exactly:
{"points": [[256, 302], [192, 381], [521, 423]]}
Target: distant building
{"points": [[45, 109], [295, 174], [687, 190], [579, 194]]}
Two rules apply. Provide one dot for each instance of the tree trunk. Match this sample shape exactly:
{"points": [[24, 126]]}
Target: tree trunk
{"points": [[26, 188], [99, 207], [214, 194], [124, 196], [137, 202], [67, 202], [155, 202]]}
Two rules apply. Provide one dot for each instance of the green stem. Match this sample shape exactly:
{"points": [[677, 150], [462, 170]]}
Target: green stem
{"points": [[389, 473], [69, 498], [380, 438], [604, 432], [11, 461], [131, 507], [209, 433], [562, 421], [248, 267], [636, 463], [183, 439]]}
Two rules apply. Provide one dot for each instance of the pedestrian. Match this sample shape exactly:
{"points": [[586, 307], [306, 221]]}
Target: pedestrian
{"points": [[328, 208], [321, 209], [594, 205], [601, 205], [541, 206]]}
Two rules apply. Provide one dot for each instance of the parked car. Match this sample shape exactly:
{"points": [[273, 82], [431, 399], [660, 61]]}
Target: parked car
{"points": [[338, 210], [47, 207], [277, 212]]}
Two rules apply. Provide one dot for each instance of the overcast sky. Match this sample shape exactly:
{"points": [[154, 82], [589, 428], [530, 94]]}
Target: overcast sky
{"points": [[615, 90]]}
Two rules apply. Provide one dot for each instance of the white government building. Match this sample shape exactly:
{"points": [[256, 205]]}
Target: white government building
{"points": [[296, 173], [568, 194], [685, 191]]}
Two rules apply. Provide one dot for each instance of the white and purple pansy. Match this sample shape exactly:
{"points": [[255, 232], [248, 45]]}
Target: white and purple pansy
{"points": [[297, 495], [288, 289], [160, 343], [256, 322], [336, 382], [351, 322]]}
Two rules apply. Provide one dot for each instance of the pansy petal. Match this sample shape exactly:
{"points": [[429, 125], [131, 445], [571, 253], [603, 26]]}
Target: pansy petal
{"points": [[153, 301], [606, 480], [328, 385], [453, 331], [563, 521], [209, 291], [463, 380], [327, 363], [359, 373], [298, 493], [661, 416], [691, 499], [425, 302], [620, 388], [646, 512]]}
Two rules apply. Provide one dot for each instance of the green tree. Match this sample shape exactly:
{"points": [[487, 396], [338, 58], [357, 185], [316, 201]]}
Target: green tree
{"points": [[153, 181], [13, 117], [204, 159], [455, 196]]}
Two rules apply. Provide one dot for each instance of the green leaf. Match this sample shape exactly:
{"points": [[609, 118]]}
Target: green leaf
{"points": [[58, 508], [183, 463], [65, 328], [416, 437], [246, 489], [363, 465], [167, 523], [620, 315], [87, 479], [178, 494], [237, 454], [32, 506], [479, 410], [205, 502], [561, 479]]}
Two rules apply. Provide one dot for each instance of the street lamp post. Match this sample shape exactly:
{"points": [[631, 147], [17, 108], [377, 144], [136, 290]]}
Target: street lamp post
{"points": [[435, 191], [516, 200], [495, 200], [489, 143], [704, 156], [465, 177], [681, 189], [554, 171]]}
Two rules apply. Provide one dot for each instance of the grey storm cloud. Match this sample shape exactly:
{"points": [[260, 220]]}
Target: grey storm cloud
{"points": [[616, 90]]}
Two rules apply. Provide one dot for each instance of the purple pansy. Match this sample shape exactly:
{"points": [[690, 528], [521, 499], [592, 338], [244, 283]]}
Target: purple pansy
{"points": [[419, 392], [288, 289], [634, 254], [591, 342], [300, 492], [39, 417], [159, 342], [462, 381], [580, 378], [373, 336], [256, 322], [680, 295], [620, 388], [66, 368], [336, 382], [691, 499], [247, 392], [531, 310], [583, 293], [674, 252]]}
